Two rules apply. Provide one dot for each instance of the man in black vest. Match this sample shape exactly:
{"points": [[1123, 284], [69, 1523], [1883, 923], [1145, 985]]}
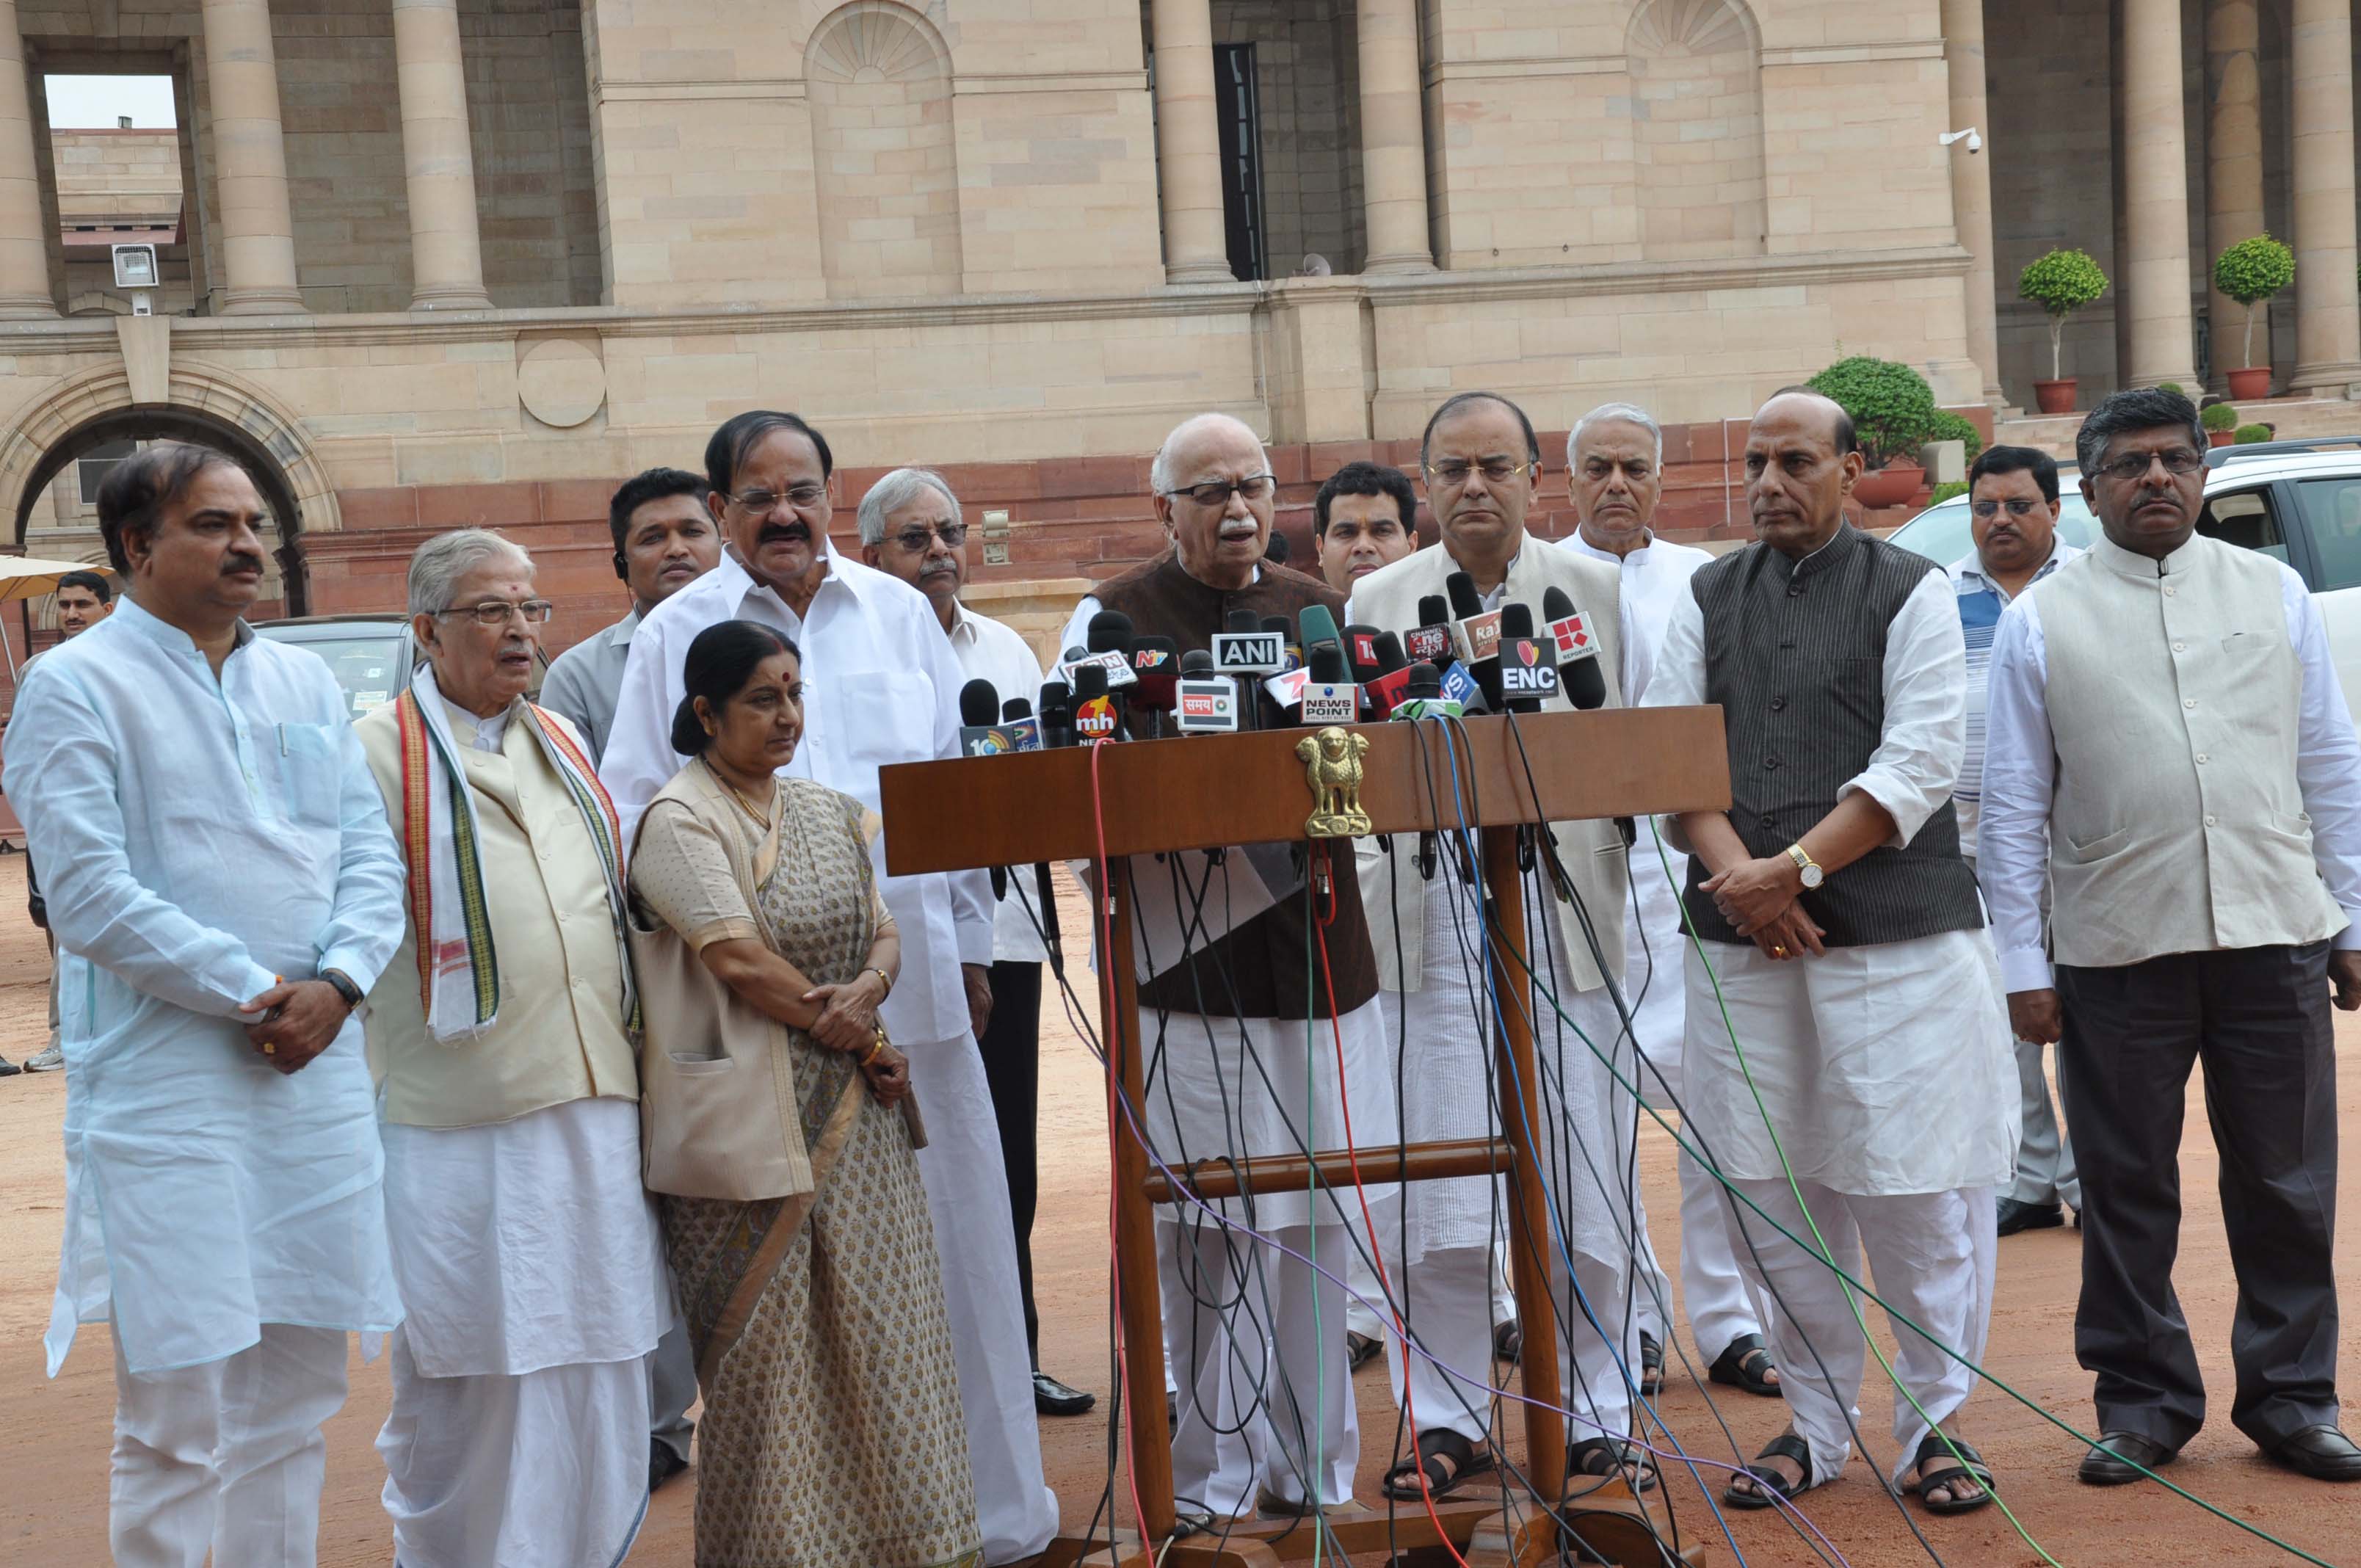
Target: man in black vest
{"points": [[1867, 1063], [1223, 1024]]}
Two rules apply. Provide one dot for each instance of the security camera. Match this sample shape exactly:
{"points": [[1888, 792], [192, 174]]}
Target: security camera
{"points": [[1975, 141]]}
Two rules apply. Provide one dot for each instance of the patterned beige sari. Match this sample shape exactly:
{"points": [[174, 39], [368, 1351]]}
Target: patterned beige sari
{"points": [[832, 1434]]}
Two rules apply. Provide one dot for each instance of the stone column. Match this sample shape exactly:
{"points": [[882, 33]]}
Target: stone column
{"points": [[24, 237], [2234, 169], [1187, 148], [1963, 57], [2327, 301], [1393, 140], [2155, 285], [250, 155], [446, 254]]}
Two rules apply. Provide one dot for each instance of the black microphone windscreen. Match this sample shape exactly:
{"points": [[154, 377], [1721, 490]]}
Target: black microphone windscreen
{"points": [[979, 704], [1197, 664], [1433, 609], [1465, 602], [1276, 623], [1055, 694], [1584, 682], [1390, 653], [1090, 681], [1516, 619], [1326, 663], [1425, 680], [1072, 654], [1015, 707], [1243, 620], [1556, 605], [1110, 632]]}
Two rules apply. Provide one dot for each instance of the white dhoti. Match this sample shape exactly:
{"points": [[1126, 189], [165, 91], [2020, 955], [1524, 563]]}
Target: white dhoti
{"points": [[226, 1456], [1849, 1052], [529, 1258], [975, 1243]]}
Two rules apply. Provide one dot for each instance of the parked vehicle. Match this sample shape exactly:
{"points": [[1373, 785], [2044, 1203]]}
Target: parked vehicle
{"points": [[370, 655]]}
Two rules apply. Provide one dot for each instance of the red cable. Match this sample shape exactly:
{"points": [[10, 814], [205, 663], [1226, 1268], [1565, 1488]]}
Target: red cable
{"points": [[1377, 1252], [1107, 960]]}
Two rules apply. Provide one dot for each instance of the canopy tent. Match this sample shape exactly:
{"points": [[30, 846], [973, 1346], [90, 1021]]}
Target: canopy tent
{"points": [[23, 577]]}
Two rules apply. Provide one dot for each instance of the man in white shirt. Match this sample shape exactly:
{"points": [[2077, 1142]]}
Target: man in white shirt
{"points": [[1615, 476], [2171, 754], [1839, 927], [882, 685], [2013, 502], [664, 540], [911, 528], [224, 892]]}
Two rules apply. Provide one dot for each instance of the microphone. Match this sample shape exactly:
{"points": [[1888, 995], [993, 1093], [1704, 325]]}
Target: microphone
{"points": [[1278, 624], [1156, 665], [1577, 650], [1390, 681], [1329, 695], [1096, 718], [1476, 635], [1110, 632], [1319, 626], [1430, 640], [1205, 703], [1056, 714], [1423, 696], [1016, 718], [980, 732], [1528, 663]]}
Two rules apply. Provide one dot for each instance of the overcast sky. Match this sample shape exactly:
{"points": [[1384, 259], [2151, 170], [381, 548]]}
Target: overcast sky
{"points": [[95, 103]]}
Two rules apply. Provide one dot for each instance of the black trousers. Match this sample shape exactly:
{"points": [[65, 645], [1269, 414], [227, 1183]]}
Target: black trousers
{"points": [[1012, 1069], [2258, 1020]]}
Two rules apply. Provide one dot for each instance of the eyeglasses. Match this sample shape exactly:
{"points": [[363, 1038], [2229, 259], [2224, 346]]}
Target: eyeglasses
{"points": [[913, 540], [2016, 508], [799, 497], [2132, 466], [1217, 492], [495, 612], [1455, 470]]}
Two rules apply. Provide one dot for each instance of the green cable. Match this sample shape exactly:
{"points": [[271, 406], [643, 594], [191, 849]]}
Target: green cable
{"points": [[1706, 1164], [1311, 1462]]}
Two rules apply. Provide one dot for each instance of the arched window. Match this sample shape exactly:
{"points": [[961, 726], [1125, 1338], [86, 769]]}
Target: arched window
{"points": [[887, 169], [1696, 71]]}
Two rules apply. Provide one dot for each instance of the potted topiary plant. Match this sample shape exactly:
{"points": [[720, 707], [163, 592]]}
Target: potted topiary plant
{"points": [[2247, 434], [2219, 419], [1892, 409], [2061, 283], [2250, 272]]}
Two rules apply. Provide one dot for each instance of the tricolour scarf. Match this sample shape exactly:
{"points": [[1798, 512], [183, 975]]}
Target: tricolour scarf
{"points": [[458, 971]]}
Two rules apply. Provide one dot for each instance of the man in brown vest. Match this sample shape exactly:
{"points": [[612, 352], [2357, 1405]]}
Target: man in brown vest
{"points": [[1232, 1069]]}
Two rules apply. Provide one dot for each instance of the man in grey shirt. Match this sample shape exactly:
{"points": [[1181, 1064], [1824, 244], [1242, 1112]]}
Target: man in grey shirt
{"points": [[664, 540]]}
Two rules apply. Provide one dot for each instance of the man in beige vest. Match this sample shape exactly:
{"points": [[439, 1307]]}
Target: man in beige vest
{"points": [[2170, 750], [1481, 461], [500, 1037]]}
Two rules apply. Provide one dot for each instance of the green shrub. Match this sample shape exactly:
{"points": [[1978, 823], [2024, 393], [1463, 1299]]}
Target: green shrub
{"points": [[2247, 434], [1948, 427], [2172, 386], [1891, 405], [1945, 491], [2061, 283], [2218, 416], [2250, 272]]}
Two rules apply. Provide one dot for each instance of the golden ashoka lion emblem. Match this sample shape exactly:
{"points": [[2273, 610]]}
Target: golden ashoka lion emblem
{"points": [[1332, 766]]}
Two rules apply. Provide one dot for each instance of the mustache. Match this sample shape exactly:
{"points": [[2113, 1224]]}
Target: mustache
{"points": [[241, 561], [798, 529], [941, 568]]}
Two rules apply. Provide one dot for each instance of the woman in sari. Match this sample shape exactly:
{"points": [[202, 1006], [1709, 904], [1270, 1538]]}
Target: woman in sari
{"points": [[832, 1432]]}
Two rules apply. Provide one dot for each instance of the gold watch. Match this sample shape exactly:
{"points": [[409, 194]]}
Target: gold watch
{"points": [[1806, 868]]}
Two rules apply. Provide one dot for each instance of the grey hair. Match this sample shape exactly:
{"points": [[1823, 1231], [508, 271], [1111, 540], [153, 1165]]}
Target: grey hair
{"points": [[896, 491], [439, 563], [1159, 472], [1615, 414], [2128, 412]]}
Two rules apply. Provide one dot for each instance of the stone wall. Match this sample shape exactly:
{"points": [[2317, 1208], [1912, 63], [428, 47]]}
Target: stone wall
{"points": [[118, 179], [1308, 81]]}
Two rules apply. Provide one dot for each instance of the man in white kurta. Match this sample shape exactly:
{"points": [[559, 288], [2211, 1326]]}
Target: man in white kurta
{"points": [[508, 1087], [1847, 939], [881, 687], [1451, 1230], [1615, 459], [222, 1209]]}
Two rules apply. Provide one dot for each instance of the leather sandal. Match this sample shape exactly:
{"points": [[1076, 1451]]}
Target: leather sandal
{"points": [[1361, 1349], [1603, 1459], [1771, 1487], [1446, 1458], [1745, 1363], [1652, 1365], [1950, 1471]]}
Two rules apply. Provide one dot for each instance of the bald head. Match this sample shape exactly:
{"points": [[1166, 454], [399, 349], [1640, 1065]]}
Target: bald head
{"points": [[1819, 407], [1222, 533], [1801, 464]]}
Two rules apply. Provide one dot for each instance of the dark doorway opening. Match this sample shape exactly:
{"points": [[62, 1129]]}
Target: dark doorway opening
{"points": [[1237, 114]]}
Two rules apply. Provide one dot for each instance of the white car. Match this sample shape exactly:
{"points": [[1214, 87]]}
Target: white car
{"points": [[2297, 501]]}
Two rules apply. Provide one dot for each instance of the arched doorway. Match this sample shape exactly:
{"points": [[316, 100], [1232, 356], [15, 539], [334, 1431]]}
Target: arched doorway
{"points": [[203, 406]]}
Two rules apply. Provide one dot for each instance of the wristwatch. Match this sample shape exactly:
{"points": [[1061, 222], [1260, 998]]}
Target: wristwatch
{"points": [[345, 987], [1806, 869]]}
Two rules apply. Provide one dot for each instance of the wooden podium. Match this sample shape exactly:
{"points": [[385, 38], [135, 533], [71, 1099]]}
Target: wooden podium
{"points": [[1201, 792]]}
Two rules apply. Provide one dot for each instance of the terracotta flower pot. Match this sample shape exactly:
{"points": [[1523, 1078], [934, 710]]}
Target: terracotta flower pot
{"points": [[2252, 385], [1891, 486], [2218, 437], [2055, 396]]}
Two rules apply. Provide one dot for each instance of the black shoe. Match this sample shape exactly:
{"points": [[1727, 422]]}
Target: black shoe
{"points": [[1051, 1397], [662, 1462], [2321, 1453], [2015, 1216], [8, 1069], [2104, 1467]]}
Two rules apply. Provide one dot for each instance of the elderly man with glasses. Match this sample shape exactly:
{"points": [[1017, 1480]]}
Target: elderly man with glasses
{"points": [[1222, 1017], [882, 685], [502, 1038]]}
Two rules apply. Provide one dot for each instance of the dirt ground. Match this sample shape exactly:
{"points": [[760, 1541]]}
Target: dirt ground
{"points": [[54, 1435]]}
